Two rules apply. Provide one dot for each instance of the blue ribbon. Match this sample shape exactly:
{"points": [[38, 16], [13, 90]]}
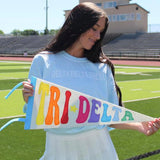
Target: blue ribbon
{"points": [[14, 88], [15, 119], [11, 121]]}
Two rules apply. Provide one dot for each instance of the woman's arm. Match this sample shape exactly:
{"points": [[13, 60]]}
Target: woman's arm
{"points": [[35, 70], [148, 128]]}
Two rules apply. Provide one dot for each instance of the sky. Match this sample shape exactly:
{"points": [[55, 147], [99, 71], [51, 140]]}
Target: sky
{"points": [[31, 14]]}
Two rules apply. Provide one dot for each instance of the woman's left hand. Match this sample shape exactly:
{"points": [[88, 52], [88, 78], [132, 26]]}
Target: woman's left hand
{"points": [[149, 128]]}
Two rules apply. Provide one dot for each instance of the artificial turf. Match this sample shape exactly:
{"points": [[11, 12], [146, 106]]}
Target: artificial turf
{"points": [[17, 143]]}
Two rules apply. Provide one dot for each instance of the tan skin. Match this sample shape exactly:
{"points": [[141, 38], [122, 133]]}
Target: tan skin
{"points": [[86, 41]]}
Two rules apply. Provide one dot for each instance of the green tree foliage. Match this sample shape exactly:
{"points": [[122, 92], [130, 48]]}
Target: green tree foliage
{"points": [[53, 31], [1, 32], [46, 31], [29, 32], [16, 32]]}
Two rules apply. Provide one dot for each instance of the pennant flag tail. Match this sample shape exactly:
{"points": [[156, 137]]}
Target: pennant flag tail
{"points": [[139, 117], [11, 121], [129, 116]]}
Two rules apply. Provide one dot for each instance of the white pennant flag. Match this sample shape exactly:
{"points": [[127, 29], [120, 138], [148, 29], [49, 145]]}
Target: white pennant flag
{"points": [[54, 106]]}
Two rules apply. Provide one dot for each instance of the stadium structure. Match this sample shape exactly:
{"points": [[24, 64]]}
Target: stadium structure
{"points": [[126, 38]]}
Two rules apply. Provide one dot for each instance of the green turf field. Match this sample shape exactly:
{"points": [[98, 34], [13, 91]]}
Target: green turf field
{"points": [[141, 92]]}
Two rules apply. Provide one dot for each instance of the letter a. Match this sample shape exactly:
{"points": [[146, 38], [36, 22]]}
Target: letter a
{"points": [[129, 115]]}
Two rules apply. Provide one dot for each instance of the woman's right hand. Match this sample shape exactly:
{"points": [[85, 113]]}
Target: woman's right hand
{"points": [[27, 90]]}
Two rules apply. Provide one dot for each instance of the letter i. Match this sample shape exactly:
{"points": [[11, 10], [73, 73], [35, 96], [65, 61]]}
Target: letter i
{"points": [[65, 117]]}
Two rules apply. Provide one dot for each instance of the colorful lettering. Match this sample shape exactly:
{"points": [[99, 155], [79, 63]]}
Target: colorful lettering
{"points": [[84, 109], [129, 115], [116, 114], [65, 118], [55, 95], [105, 118], [43, 90], [82, 117], [94, 117]]}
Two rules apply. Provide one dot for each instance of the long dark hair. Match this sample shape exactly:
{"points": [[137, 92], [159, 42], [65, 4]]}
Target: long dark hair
{"points": [[82, 18]]}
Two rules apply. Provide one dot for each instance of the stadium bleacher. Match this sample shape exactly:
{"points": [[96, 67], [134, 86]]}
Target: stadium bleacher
{"points": [[138, 45], [133, 45], [110, 37], [18, 45]]}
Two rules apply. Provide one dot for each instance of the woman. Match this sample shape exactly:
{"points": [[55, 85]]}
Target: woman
{"points": [[74, 59]]}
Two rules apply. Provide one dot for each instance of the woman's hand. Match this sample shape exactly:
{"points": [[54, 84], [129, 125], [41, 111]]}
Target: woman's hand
{"points": [[27, 90], [149, 128]]}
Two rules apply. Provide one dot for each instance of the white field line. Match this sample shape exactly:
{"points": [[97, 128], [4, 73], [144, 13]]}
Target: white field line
{"points": [[143, 99], [140, 80], [137, 67], [12, 117], [133, 73], [15, 62], [155, 92], [138, 89], [11, 78], [8, 89]]}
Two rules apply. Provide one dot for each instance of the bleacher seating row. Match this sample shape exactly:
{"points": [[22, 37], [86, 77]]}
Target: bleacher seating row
{"points": [[146, 45], [18, 45]]}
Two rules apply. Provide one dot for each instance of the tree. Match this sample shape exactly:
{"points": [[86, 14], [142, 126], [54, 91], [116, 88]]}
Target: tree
{"points": [[28, 32], [46, 31], [16, 32], [1, 32], [53, 31]]}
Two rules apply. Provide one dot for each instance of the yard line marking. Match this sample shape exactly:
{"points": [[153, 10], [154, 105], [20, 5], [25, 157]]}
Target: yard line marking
{"points": [[12, 117], [140, 80], [138, 89], [138, 67], [8, 89], [155, 91], [11, 78], [133, 73], [143, 74], [16, 62], [140, 99]]}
